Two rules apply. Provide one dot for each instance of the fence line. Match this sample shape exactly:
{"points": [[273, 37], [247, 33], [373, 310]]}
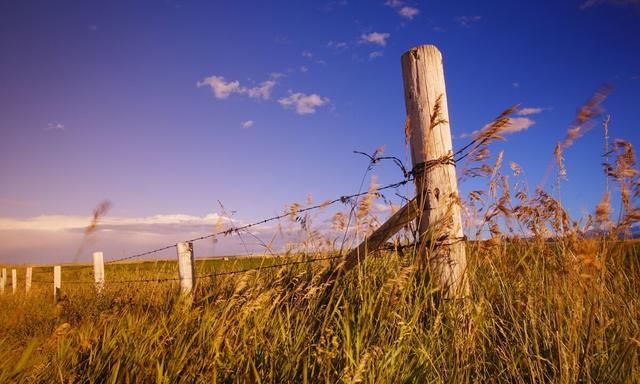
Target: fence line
{"points": [[98, 267]]}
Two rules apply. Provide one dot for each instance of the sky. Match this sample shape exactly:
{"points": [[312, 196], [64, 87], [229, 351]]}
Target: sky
{"points": [[166, 108]]}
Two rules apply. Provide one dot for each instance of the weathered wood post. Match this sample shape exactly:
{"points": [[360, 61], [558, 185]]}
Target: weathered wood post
{"points": [[27, 279], [431, 155], [57, 281], [98, 270], [14, 281], [3, 279], [186, 267]]}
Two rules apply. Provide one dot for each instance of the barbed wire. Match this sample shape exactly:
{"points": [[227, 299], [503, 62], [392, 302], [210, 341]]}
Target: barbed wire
{"points": [[199, 277], [409, 176]]}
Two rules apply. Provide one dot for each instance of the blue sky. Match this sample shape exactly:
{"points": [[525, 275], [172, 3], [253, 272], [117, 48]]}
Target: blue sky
{"points": [[166, 107]]}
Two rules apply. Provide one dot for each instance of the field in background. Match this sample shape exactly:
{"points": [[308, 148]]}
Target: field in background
{"points": [[539, 313]]}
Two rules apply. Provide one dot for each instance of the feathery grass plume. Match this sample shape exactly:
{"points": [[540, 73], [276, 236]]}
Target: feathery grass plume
{"points": [[436, 114], [625, 174], [364, 221], [582, 123], [605, 129], [586, 113], [98, 212], [515, 168], [562, 171], [603, 212]]}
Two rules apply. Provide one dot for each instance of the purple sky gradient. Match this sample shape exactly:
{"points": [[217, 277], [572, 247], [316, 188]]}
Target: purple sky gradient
{"points": [[166, 108]]}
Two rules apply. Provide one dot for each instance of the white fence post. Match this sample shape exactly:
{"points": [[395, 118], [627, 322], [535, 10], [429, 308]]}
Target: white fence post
{"points": [[14, 281], [186, 267], [27, 279], [3, 279], [98, 270], [57, 281]]}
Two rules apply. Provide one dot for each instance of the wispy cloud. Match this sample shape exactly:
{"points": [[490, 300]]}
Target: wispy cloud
{"points": [[529, 111], [515, 84], [619, 3], [304, 69], [376, 54], [307, 54], [338, 45], [408, 12], [150, 224], [378, 38], [55, 127], [302, 103], [93, 27], [516, 124], [222, 89], [467, 21], [247, 124], [402, 9]]}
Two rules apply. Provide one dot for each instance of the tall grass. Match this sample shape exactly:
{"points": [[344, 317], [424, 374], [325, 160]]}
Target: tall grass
{"points": [[537, 314]]}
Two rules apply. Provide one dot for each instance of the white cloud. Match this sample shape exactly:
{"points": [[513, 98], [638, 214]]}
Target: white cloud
{"points": [[247, 124], [516, 124], [307, 54], [303, 104], [263, 91], [403, 10], [515, 84], [222, 88], [79, 223], [55, 127], [304, 69], [529, 111], [408, 12], [375, 38], [466, 21], [375, 54]]}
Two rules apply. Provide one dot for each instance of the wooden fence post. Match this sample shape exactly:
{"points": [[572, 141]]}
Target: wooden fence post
{"points": [[14, 281], [98, 270], [186, 267], [27, 279], [431, 155], [57, 281], [3, 279]]}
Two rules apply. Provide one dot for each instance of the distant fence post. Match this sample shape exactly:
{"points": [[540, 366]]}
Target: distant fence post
{"points": [[186, 267], [3, 279], [27, 279], [57, 281], [14, 281], [98, 270], [435, 177]]}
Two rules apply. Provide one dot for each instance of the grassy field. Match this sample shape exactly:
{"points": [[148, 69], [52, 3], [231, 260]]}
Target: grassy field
{"points": [[560, 313]]}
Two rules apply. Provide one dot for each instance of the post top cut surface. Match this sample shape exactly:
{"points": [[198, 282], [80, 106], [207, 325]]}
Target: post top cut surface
{"points": [[426, 49]]}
